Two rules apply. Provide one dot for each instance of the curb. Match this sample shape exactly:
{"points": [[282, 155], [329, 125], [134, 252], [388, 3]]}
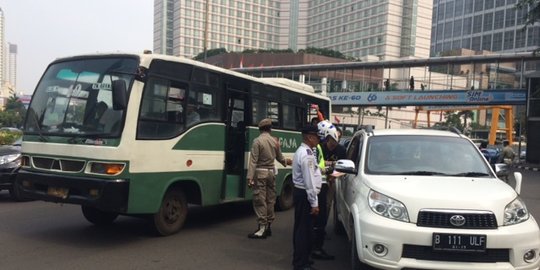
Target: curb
{"points": [[536, 169]]}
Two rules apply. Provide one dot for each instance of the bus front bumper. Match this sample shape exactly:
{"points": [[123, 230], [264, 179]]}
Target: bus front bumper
{"points": [[109, 195]]}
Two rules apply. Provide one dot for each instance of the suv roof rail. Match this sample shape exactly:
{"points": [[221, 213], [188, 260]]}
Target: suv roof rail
{"points": [[452, 129]]}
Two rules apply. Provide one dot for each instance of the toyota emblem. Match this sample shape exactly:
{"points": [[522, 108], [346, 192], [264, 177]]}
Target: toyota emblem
{"points": [[457, 220]]}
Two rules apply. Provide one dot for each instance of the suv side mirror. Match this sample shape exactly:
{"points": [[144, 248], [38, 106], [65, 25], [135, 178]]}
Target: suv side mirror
{"points": [[119, 92], [501, 170], [345, 166]]}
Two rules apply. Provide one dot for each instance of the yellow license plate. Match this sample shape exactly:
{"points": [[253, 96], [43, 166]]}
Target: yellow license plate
{"points": [[58, 192]]}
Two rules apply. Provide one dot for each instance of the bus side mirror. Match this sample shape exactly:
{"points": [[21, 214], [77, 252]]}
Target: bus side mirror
{"points": [[119, 95]]}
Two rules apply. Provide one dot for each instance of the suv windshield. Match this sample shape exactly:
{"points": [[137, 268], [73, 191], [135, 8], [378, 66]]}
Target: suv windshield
{"points": [[424, 155], [75, 98]]}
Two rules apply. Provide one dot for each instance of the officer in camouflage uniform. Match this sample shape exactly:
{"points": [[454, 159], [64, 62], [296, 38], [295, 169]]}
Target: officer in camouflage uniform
{"points": [[262, 179]]}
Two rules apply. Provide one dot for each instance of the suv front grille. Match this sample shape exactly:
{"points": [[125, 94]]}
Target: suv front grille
{"points": [[51, 164], [441, 219]]}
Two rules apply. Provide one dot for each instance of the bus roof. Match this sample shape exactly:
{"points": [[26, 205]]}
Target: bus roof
{"points": [[146, 59]]}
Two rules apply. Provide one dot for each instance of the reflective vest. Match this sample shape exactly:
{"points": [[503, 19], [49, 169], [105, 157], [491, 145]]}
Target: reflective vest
{"points": [[322, 164], [320, 158]]}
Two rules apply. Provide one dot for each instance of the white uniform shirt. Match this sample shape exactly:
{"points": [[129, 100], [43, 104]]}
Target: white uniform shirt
{"points": [[306, 173]]}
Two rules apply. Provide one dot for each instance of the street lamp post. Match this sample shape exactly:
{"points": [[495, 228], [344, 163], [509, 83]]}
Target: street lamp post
{"points": [[205, 29]]}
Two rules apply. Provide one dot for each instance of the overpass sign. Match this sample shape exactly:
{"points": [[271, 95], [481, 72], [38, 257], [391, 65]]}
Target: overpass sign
{"points": [[430, 98]]}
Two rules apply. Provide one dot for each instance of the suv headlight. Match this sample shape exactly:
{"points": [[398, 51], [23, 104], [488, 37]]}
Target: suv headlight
{"points": [[515, 212], [9, 158], [387, 207]]}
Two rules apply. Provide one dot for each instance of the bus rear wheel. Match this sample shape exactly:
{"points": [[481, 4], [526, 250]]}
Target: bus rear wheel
{"points": [[172, 214], [285, 199], [98, 217]]}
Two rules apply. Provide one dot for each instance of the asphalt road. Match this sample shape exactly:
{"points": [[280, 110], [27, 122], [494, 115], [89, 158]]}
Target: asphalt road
{"points": [[39, 235]]}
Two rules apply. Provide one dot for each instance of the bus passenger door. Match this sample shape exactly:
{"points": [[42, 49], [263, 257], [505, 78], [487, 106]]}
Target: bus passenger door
{"points": [[234, 187]]}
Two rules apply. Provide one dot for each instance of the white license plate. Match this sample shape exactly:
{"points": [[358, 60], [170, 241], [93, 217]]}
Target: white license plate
{"points": [[459, 242]]}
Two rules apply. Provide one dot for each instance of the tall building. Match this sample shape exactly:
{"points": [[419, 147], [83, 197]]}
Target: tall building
{"points": [[491, 25], [186, 27], [2, 52], [388, 29], [385, 28], [11, 66]]}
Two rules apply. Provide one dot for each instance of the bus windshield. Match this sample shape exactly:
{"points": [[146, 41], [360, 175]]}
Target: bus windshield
{"points": [[75, 98]]}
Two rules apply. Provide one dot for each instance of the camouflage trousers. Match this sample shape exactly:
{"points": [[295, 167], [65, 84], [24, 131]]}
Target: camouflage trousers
{"points": [[264, 196]]}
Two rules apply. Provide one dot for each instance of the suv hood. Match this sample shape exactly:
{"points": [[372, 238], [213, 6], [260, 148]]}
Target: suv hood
{"points": [[466, 193]]}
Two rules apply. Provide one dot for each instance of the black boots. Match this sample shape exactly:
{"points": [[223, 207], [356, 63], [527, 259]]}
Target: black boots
{"points": [[268, 230]]}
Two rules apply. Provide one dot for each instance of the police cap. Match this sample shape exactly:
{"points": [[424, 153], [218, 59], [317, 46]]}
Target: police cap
{"points": [[265, 122], [310, 129]]}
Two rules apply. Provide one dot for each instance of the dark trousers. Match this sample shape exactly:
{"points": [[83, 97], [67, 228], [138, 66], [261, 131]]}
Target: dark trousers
{"points": [[303, 229], [319, 228]]}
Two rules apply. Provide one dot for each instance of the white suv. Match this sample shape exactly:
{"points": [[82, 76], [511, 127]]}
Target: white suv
{"points": [[428, 199]]}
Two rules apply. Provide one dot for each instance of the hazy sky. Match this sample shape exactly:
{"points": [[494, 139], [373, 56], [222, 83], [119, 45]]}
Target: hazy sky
{"points": [[47, 29]]}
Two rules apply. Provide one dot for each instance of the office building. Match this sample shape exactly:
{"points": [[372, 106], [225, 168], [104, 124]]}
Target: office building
{"points": [[11, 66], [387, 29], [187, 27], [384, 28], [2, 52], [489, 25]]}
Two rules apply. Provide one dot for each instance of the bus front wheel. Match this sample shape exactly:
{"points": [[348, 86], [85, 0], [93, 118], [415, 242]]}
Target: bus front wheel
{"points": [[172, 214], [16, 194], [285, 199], [98, 217]]}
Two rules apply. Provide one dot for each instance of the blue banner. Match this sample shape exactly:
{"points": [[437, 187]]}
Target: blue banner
{"points": [[427, 98]]}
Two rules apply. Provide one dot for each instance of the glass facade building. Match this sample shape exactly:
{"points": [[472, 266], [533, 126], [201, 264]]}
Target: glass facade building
{"points": [[491, 25]]}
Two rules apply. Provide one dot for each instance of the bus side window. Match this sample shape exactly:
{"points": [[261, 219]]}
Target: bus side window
{"points": [[207, 103], [290, 117], [161, 109], [266, 109]]}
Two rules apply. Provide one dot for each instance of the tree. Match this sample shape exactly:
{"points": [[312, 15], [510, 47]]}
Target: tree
{"points": [[14, 113], [534, 13], [453, 119], [267, 51], [465, 114], [209, 53], [324, 52]]}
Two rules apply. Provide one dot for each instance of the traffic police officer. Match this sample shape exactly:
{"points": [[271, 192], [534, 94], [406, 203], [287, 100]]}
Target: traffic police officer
{"points": [[261, 177], [307, 184], [328, 135]]}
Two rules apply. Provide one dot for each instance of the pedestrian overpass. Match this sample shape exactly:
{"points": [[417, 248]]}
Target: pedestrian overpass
{"points": [[490, 81], [431, 98]]}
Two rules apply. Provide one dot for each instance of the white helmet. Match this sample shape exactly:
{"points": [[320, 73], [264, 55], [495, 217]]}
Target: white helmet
{"points": [[327, 129]]}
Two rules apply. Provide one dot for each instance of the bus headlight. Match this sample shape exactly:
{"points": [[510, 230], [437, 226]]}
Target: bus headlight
{"points": [[106, 168], [10, 158]]}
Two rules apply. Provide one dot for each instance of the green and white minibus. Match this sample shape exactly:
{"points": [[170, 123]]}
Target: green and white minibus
{"points": [[146, 135]]}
